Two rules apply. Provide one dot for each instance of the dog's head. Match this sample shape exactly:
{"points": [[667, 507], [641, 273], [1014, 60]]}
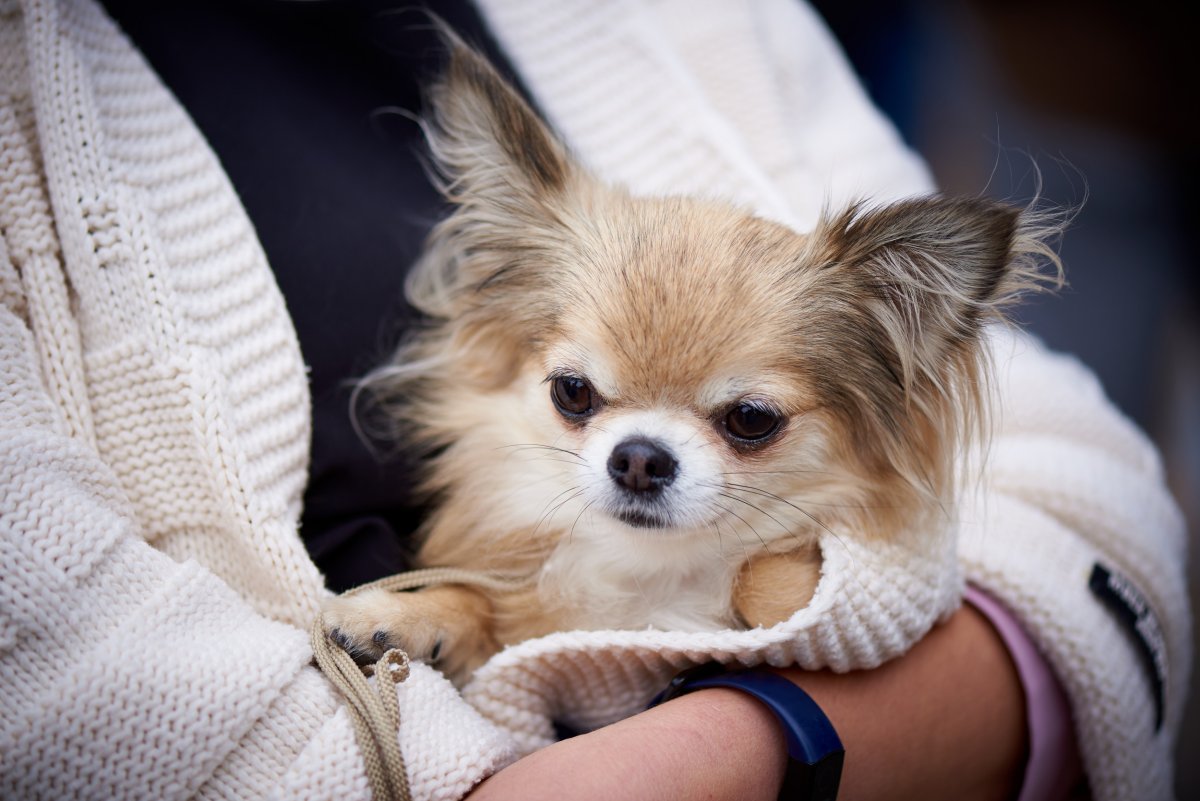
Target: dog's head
{"points": [[679, 365]]}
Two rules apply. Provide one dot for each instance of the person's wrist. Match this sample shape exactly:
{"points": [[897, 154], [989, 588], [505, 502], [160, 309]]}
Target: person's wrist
{"points": [[814, 750], [734, 734]]}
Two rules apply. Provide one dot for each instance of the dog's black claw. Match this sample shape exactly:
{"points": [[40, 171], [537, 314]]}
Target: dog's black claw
{"points": [[436, 652], [347, 644], [342, 640]]}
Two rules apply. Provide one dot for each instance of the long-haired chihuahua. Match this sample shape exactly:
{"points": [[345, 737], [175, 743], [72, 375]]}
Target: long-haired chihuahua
{"points": [[651, 408]]}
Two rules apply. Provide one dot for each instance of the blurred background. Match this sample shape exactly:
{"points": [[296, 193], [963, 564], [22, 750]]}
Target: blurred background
{"points": [[1099, 96]]}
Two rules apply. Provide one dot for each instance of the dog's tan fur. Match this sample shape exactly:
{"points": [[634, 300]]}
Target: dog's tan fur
{"points": [[864, 335]]}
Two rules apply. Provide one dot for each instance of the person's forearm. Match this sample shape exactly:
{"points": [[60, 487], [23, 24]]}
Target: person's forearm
{"points": [[946, 720], [713, 744]]}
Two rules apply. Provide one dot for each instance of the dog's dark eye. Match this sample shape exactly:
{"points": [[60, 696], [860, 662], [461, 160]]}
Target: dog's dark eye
{"points": [[750, 423], [573, 396]]}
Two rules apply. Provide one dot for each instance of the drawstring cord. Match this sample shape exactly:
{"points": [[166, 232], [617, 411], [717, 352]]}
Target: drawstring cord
{"points": [[375, 713]]}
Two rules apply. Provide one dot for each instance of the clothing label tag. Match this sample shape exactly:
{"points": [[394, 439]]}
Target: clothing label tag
{"points": [[1133, 611]]}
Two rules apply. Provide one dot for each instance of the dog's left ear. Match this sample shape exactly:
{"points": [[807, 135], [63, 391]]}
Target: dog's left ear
{"points": [[930, 272], [908, 288]]}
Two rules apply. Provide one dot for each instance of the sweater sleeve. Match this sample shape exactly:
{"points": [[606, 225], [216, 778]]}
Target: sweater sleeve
{"points": [[154, 593], [126, 674], [1072, 487]]}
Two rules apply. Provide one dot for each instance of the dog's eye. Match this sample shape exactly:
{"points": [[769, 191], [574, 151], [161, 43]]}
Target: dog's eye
{"points": [[750, 423], [573, 397]]}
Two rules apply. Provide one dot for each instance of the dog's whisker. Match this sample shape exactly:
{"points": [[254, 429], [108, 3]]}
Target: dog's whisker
{"points": [[785, 529], [586, 506], [800, 498], [777, 472], [750, 526], [539, 446], [552, 507], [717, 530], [785, 501], [561, 461], [737, 539]]}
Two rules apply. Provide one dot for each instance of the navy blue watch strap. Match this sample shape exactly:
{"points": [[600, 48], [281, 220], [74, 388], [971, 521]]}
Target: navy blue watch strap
{"points": [[815, 752]]}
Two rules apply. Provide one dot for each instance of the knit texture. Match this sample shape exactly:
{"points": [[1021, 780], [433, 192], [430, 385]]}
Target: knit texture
{"points": [[154, 426], [1071, 483], [153, 442], [871, 605]]}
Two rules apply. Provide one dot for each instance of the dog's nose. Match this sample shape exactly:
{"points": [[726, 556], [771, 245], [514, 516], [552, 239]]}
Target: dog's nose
{"points": [[641, 465]]}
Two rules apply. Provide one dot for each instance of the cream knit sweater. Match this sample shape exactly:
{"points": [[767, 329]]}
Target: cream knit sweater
{"points": [[154, 433]]}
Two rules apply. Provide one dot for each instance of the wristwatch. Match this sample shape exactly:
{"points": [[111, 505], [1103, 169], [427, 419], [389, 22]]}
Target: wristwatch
{"points": [[815, 753]]}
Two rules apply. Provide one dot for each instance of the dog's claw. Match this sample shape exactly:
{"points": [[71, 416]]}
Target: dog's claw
{"points": [[347, 644]]}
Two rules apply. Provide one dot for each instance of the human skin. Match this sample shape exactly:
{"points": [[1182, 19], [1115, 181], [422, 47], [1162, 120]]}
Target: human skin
{"points": [[944, 721]]}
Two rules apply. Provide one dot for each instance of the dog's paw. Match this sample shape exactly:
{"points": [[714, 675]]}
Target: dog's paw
{"points": [[370, 623], [771, 587], [448, 626]]}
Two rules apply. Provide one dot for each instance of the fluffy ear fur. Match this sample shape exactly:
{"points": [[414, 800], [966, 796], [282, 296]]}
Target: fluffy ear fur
{"points": [[910, 286], [507, 176], [937, 269], [487, 143], [484, 277], [486, 266]]}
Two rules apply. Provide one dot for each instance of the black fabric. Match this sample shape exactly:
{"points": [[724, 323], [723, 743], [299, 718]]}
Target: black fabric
{"points": [[299, 99]]}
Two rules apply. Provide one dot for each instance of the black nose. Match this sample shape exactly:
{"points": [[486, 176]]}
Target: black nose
{"points": [[641, 465]]}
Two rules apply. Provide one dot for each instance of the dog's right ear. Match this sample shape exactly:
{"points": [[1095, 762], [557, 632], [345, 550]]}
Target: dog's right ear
{"points": [[488, 144], [489, 267]]}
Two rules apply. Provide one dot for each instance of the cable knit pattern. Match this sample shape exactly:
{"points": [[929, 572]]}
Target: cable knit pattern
{"points": [[170, 273], [152, 394], [871, 605], [154, 432]]}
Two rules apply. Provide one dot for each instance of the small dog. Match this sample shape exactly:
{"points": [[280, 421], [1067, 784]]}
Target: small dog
{"points": [[651, 408]]}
